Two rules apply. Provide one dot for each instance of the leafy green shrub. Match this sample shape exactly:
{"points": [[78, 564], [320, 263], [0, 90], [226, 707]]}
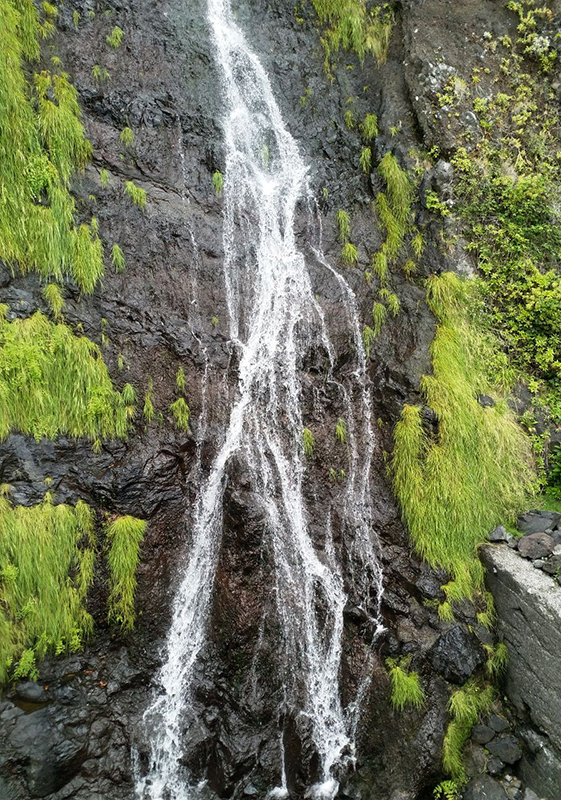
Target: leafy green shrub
{"points": [[475, 471], [126, 535]]}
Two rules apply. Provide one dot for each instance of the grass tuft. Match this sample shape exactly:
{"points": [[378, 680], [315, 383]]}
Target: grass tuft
{"points": [[181, 414], [115, 38], [126, 535], [466, 706], [308, 442], [136, 194], [406, 689], [118, 258]]}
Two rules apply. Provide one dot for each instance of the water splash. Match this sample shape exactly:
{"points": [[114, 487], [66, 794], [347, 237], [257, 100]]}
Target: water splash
{"points": [[274, 321]]}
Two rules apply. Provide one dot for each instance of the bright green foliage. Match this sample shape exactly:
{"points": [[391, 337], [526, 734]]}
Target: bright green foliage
{"points": [[497, 659], [100, 74], [218, 182], [148, 409], [466, 706], [76, 19], [136, 194], [394, 213], [391, 300], [341, 431], [379, 316], [446, 790], [475, 471], [366, 159], [54, 298], [344, 226], [406, 689], [127, 136], [180, 381], [53, 382], [369, 128], [41, 144], [118, 258], [46, 568], [308, 442], [368, 336], [115, 38], [126, 535], [349, 254], [104, 178], [352, 25], [181, 414]]}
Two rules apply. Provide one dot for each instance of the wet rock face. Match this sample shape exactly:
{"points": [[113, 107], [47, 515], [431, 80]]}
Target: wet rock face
{"points": [[73, 739]]}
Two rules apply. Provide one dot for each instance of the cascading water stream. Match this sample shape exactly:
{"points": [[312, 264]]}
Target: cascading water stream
{"points": [[274, 320]]}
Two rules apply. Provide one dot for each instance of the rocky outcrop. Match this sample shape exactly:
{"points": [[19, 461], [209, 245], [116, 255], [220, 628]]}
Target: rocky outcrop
{"points": [[529, 612]]}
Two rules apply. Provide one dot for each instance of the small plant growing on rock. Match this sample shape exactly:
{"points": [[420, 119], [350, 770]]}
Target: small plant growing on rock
{"points": [[180, 381], [127, 136], [366, 159], [406, 689], [104, 178], [349, 254], [148, 410], [54, 298], [344, 225], [100, 74], [118, 258], [446, 790], [136, 194], [341, 431], [369, 128], [115, 38], [76, 19], [181, 414], [308, 442], [218, 182], [368, 337], [497, 659]]}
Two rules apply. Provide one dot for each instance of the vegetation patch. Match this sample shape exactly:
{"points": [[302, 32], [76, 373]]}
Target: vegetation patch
{"points": [[53, 382], [472, 468], [356, 25], [126, 535], [42, 143], [406, 689]]}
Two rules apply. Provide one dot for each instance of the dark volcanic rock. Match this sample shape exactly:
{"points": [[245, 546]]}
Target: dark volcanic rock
{"points": [[537, 521], [456, 655], [536, 545], [506, 748], [482, 734], [485, 788]]}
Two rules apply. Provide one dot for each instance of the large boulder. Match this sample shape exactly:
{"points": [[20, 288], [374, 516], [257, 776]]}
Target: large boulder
{"points": [[456, 655]]}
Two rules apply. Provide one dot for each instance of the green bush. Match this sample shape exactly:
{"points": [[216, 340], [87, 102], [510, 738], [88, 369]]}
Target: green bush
{"points": [[126, 535]]}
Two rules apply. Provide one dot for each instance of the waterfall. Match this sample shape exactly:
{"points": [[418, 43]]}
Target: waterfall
{"points": [[274, 319]]}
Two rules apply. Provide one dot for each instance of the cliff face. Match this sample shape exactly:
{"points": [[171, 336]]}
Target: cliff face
{"points": [[71, 735]]}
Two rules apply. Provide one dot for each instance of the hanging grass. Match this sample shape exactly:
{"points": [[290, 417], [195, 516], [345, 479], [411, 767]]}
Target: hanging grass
{"points": [[118, 258], [54, 298], [136, 193], [476, 471], [46, 568], [42, 143], [405, 686], [466, 706], [308, 442], [126, 535], [53, 382], [351, 25], [181, 414]]}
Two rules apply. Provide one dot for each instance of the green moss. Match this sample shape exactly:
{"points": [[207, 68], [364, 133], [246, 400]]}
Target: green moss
{"points": [[53, 382], [406, 689], [475, 471], [180, 380], [126, 535], [46, 568]]}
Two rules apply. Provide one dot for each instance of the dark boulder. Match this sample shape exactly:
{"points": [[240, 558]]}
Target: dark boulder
{"points": [[536, 545], [456, 655], [537, 521], [506, 748], [485, 788]]}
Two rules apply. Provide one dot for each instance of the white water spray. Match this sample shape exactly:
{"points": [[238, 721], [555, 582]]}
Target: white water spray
{"points": [[274, 320]]}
